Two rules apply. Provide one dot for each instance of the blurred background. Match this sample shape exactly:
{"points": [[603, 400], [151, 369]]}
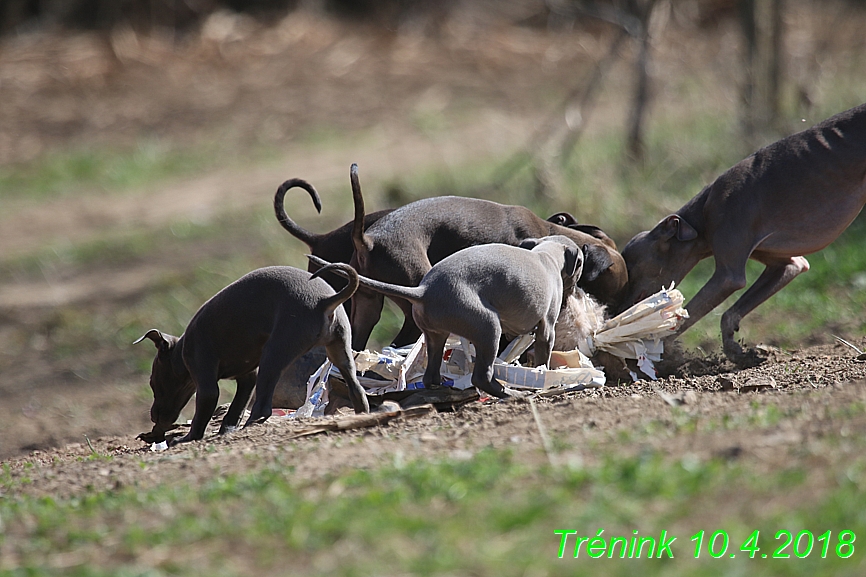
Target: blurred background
{"points": [[141, 142]]}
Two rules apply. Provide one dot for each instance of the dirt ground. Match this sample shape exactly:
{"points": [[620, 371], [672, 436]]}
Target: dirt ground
{"points": [[810, 391], [246, 85]]}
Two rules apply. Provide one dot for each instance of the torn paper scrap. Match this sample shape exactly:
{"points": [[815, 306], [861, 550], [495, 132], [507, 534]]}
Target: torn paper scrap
{"points": [[637, 333], [541, 378]]}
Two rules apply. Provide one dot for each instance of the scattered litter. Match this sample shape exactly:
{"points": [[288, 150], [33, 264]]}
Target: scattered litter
{"points": [[636, 334], [161, 446], [317, 393]]}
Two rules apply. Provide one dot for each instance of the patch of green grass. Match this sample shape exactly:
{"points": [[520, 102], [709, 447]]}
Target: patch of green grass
{"points": [[63, 173], [489, 515]]}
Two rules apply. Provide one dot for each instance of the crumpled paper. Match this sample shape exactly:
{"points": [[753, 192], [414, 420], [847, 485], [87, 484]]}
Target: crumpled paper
{"points": [[637, 332]]}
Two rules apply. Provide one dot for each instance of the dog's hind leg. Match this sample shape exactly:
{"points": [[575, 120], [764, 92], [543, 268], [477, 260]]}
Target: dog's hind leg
{"points": [[545, 338], [435, 343], [281, 350], [366, 310], [409, 332], [340, 354], [485, 354], [246, 384], [774, 278]]}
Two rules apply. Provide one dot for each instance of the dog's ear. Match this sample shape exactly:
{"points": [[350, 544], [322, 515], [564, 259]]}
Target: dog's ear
{"points": [[573, 261], [562, 219], [529, 243], [162, 341], [675, 226], [596, 260]]}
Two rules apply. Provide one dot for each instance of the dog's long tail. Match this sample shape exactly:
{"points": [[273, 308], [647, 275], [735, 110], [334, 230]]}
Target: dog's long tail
{"points": [[331, 303], [363, 243], [310, 238], [411, 294]]}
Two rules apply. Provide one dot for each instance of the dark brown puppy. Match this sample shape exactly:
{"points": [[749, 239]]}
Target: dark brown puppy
{"points": [[788, 199], [265, 320], [402, 246]]}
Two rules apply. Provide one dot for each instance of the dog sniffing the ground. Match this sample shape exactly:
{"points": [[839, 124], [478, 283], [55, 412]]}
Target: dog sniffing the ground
{"points": [[250, 331]]}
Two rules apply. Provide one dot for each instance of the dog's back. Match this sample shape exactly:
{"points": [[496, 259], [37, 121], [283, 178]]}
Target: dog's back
{"points": [[511, 281], [443, 225], [237, 321], [402, 246], [440, 226]]}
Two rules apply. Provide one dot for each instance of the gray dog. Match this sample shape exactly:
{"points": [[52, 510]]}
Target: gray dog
{"points": [[267, 319], [788, 199], [482, 291]]}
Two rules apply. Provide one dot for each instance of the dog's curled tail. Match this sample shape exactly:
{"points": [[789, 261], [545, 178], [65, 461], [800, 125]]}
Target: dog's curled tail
{"points": [[310, 238], [411, 294], [331, 303], [363, 244]]}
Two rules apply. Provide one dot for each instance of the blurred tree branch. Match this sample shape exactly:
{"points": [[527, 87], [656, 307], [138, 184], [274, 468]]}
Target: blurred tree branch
{"points": [[632, 18], [763, 37]]}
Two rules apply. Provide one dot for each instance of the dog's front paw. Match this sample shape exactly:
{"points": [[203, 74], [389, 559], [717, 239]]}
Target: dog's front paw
{"points": [[151, 437], [745, 358]]}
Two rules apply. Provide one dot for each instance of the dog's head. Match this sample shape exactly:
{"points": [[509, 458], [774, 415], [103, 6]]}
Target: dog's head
{"points": [[572, 257], [170, 381], [657, 257], [604, 272]]}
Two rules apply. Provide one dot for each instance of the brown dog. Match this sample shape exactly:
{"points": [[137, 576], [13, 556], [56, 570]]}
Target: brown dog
{"points": [[402, 246], [265, 320], [791, 198]]}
